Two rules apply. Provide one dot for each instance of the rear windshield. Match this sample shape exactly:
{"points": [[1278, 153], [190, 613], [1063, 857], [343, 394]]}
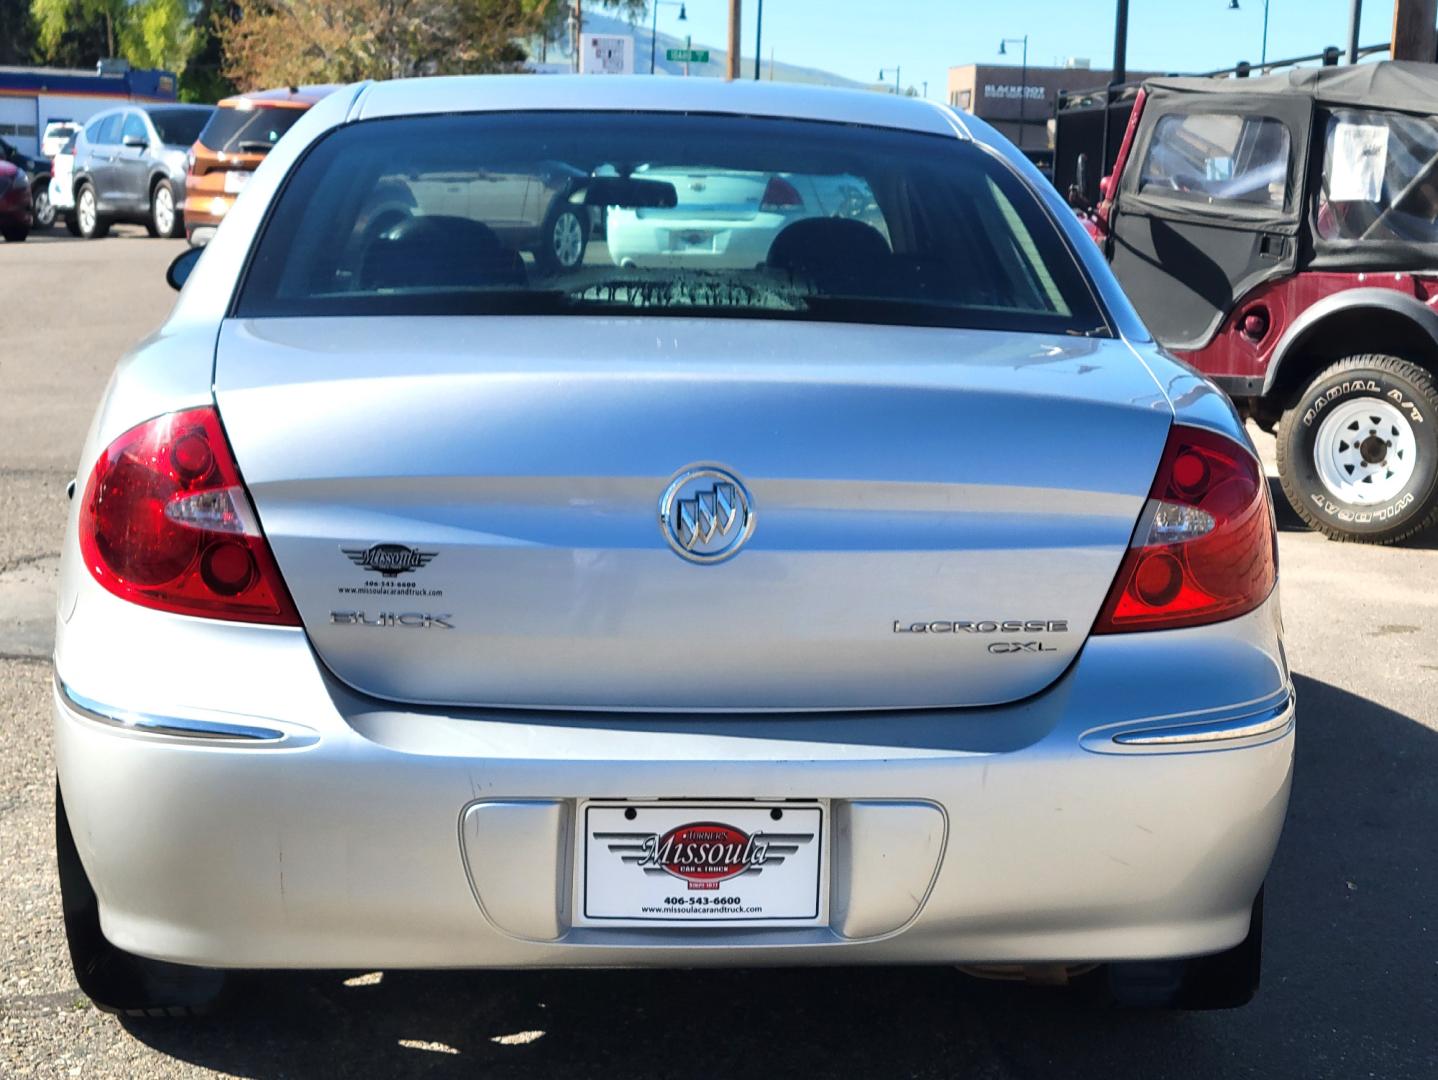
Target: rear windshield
{"points": [[179, 127], [249, 131], [663, 214]]}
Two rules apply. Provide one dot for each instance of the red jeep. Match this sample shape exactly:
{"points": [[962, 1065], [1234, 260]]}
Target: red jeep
{"points": [[1281, 235]]}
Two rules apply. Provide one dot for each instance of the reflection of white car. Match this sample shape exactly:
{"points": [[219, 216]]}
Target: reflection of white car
{"points": [[727, 219]]}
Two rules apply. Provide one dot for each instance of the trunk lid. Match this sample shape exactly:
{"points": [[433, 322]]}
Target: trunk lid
{"points": [[466, 510]]}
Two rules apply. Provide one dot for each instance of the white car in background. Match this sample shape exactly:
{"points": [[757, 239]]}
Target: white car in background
{"points": [[62, 183], [57, 134], [726, 219]]}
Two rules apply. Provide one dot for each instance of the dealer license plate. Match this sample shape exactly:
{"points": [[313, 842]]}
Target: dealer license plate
{"points": [[713, 864]]}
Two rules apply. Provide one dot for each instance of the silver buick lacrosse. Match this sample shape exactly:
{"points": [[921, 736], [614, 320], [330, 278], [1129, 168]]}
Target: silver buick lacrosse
{"points": [[845, 578]]}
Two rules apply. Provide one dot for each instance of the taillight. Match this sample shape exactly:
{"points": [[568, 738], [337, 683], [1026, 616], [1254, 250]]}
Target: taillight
{"points": [[166, 523], [780, 195], [1205, 549]]}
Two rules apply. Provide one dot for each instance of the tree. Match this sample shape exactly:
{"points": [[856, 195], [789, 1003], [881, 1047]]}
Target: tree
{"points": [[148, 33], [17, 32], [289, 42]]}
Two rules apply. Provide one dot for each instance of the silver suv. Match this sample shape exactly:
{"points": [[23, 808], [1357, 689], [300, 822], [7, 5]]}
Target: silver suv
{"points": [[130, 166]]}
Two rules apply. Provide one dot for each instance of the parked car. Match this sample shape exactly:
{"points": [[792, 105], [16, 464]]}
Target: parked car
{"points": [[130, 167], [235, 139], [728, 220], [896, 601], [16, 215], [1306, 292], [62, 185], [534, 207], [38, 171], [56, 135]]}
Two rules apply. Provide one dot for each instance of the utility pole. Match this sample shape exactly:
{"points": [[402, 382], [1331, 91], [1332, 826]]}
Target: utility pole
{"points": [[578, 19], [732, 65], [1414, 33], [1120, 44], [758, 40], [1355, 16]]}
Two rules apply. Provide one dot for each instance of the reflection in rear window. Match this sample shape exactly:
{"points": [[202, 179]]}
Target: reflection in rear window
{"points": [[179, 127], [661, 214], [234, 131]]}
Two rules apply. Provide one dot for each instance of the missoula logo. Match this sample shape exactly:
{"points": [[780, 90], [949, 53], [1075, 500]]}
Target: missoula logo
{"points": [[391, 560], [704, 853]]}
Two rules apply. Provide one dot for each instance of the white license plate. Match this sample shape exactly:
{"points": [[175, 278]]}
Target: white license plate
{"points": [[691, 240], [235, 181], [756, 864]]}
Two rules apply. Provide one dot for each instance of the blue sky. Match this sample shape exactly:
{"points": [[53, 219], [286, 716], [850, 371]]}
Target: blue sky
{"points": [[925, 37]]}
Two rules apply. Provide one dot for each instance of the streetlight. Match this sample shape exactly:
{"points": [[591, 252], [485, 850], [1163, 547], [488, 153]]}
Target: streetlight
{"points": [[1263, 57], [1024, 88], [898, 84], [654, 34]]}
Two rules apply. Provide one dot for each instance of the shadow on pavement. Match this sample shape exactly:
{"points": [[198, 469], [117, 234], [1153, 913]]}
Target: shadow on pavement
{"points": [[1350, 981]]}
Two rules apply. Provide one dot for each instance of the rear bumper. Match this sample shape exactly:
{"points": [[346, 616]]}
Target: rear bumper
{"points": [[62, 193], [333, 837], [206, 209]]}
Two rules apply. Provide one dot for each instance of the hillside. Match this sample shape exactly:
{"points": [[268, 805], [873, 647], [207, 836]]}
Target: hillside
{"points": [[595, 23]]}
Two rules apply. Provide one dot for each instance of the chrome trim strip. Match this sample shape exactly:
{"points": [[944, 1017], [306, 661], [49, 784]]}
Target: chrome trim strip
{"points": [[180, 727], [1236, 727]]}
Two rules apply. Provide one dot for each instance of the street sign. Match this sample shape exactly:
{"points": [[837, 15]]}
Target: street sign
{"points": [[687, 56]]}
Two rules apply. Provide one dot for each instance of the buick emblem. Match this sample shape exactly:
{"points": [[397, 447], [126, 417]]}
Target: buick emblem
{"points": [[706, 514]]}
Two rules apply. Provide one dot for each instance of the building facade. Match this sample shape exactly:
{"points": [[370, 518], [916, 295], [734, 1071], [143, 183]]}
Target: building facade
{"points": [[31, 97], [1020, 102]]}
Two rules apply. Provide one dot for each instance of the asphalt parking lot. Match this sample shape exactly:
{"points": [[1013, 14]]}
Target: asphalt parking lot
{"points": [[1351, 950]]}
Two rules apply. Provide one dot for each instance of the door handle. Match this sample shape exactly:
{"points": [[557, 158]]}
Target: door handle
{"points": [[1273, 246]]}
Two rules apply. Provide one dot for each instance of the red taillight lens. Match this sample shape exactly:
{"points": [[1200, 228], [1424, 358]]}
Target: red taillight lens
{"points": [[780, 195], [166, 523], [1204, 549]]}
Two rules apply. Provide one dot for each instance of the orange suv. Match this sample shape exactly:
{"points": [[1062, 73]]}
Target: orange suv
{"points": [[236, 139]]}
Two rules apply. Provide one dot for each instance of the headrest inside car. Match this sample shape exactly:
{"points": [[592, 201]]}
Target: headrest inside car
{"points": [[428, 252]]}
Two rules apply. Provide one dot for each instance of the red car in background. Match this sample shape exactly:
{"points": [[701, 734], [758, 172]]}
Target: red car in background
{"points": [[231, 146], [15, 204]]}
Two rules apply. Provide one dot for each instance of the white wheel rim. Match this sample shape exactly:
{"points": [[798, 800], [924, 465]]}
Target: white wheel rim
{"points": [[1365, 451], [568, 239], [43, 214], [87, 211], [164, 209]]}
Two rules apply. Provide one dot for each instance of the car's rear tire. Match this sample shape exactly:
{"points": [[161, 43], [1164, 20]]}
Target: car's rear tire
{"points": [[115, 980], [1225, 980], [564, 237], [1358, 451], [165, 218], [87, 214], [42, 209], [14, 233]]}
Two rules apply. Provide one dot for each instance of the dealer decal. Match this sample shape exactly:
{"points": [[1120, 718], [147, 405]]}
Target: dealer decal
{"points": [[704, 853]]}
